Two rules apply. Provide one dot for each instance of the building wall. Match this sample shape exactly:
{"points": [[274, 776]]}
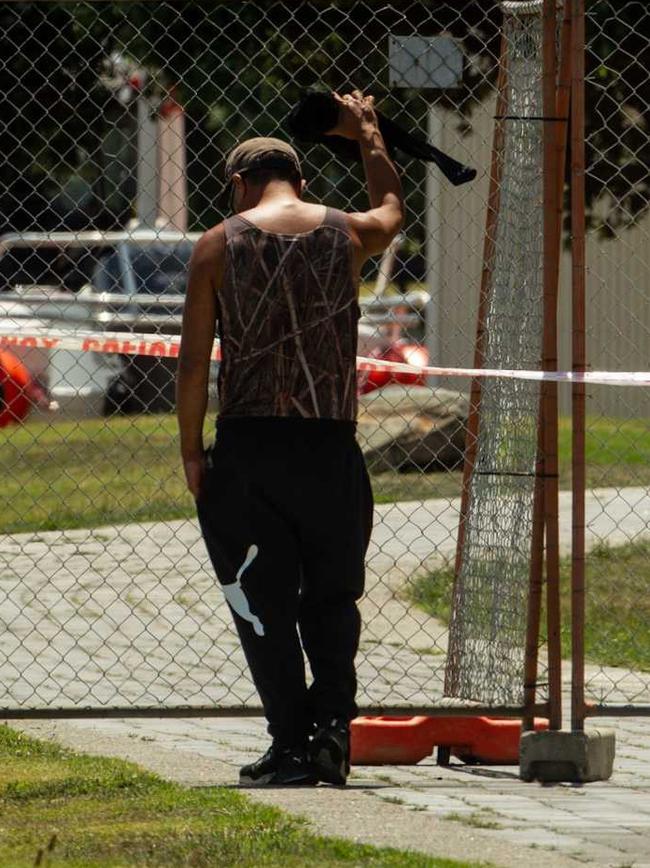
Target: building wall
{"points": [[618, 283]]}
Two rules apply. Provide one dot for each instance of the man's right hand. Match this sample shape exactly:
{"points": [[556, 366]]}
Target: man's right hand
{"points": [[357, 118], [194, 467], [373, 229]]}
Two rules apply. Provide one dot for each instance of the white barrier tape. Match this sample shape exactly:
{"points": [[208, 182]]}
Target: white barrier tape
{"points": [[168, 346], [594, 378]]}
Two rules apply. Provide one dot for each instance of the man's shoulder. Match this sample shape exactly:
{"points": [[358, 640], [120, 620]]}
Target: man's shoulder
{"points": [[215, 234], [208, 253], [353, 225], [212, 241]]}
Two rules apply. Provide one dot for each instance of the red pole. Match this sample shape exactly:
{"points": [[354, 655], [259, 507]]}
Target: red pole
{"points": [[578, 363]]}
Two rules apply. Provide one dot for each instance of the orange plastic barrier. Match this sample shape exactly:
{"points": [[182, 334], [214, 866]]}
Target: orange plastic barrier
{"points": [[407, 740], [14, 389]]}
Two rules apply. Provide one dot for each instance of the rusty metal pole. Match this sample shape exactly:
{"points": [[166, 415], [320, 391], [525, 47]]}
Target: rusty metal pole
{"points": [[546, 505], [492, 218], [534, 591], [578, 363], [562, 112], [473, 421], [549, 414]]}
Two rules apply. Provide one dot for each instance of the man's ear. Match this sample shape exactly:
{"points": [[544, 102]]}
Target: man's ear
{"points": [[237, 187], [303, 186]]}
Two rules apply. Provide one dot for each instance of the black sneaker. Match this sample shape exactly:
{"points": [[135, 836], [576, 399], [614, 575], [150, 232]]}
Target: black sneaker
{"points": [[279, 767], [330, 752]]}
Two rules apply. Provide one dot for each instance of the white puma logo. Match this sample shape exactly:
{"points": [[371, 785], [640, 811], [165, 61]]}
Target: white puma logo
{"points": [[237, 598]]}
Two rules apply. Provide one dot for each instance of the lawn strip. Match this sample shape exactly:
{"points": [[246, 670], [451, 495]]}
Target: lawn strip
{"points": [[92, 472], [106, 812], [617, 623]]}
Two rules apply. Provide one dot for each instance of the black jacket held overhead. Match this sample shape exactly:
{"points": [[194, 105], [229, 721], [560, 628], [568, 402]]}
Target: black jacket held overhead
{"points": [[317, 112]]}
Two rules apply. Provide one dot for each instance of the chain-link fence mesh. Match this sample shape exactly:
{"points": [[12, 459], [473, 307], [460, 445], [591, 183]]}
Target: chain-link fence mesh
{"points": [[117, 120], [488, 626], [618, 319]]}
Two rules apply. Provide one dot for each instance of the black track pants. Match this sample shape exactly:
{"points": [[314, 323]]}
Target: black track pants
{"points": [[286, 514]]}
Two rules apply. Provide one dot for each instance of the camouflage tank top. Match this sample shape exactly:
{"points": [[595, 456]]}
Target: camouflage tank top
{"points": [[287, 320]]}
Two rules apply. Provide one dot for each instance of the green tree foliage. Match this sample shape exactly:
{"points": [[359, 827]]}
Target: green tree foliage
{"points": [[618, 105], [56, 113], [238, 68]]}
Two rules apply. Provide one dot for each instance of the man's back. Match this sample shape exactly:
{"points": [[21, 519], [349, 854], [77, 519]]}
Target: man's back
{"points": [[287, 314]]}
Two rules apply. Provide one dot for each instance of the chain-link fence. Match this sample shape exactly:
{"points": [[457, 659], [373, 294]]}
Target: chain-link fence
{"points": [[118, 118], [618, 317]]}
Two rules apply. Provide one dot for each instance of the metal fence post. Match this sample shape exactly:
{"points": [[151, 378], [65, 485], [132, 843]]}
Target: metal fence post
{"points": [[579, 364]]}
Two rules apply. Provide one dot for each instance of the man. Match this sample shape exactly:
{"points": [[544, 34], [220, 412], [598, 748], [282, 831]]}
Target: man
{"points": [[283, 496]]}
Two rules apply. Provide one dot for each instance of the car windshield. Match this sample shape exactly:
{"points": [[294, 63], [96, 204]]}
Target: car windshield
{"points": [[66, 268], [160, 268]]}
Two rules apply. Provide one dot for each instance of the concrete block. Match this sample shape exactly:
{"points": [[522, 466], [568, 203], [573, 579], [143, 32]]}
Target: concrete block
{"points": [[577, 757]]}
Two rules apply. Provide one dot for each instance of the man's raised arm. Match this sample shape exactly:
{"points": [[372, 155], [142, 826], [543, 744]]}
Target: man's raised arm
{"points": [[377, 227]]}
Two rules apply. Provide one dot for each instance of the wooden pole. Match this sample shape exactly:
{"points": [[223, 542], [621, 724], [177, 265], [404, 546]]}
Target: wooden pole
{"points": [[578, 363]]}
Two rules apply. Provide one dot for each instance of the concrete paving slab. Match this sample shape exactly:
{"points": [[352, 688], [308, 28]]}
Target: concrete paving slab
{"points": [[367, 810]]}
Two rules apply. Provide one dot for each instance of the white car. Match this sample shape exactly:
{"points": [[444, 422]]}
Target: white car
{"points": [[97, 281], [132, 281]]}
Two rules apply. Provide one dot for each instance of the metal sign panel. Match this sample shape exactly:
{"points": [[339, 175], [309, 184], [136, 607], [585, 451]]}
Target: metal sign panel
{"points": [[424, 61]]}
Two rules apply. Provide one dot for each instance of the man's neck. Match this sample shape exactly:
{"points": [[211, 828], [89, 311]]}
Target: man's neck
{"points": [[278, 193]]}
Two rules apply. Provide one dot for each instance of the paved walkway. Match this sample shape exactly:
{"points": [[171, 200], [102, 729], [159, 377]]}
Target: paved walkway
{"points": [[133, 614], [462, 812]]}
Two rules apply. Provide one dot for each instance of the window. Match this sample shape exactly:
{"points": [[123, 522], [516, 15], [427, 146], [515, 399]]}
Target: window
{"points": [[161, 268], [107, 276]]}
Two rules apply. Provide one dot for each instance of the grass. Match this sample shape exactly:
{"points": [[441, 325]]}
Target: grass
{"points": [[432, 591], [396, 487], [617, 623], [92, 472], [127, 469], [92, 811]]}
